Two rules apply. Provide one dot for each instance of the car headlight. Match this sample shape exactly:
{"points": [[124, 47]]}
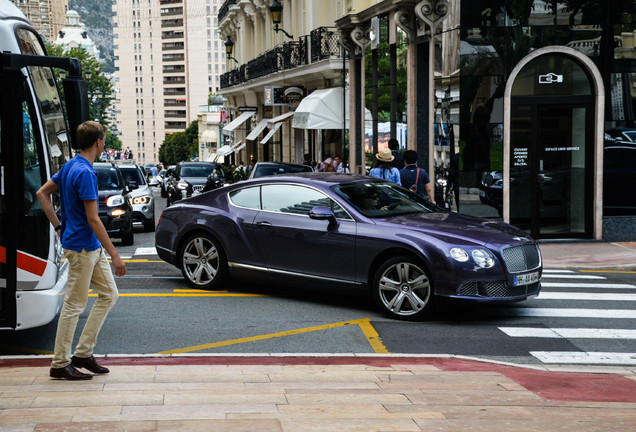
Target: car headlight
{"points": [[141, 200], [115, 200], [182, 185], [483, 258], [118, 212], [459, 254]]}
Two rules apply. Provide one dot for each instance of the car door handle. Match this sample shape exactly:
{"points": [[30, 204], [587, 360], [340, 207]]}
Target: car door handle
{"points": [[263, 223]]}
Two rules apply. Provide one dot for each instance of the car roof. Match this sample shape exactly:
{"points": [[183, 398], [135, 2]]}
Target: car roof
{"points": [[307, 177]]}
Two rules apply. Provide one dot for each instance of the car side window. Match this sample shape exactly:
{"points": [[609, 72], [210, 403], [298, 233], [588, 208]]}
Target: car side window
{"points": [[298, 200], [248, 197]]}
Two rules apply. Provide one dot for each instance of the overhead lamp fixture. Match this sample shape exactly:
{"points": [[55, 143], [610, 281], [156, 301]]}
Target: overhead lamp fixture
{"points": [[229, 45], [276, 9]]}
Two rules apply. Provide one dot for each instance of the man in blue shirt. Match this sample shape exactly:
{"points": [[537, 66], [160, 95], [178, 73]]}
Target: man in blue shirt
{"points": [[84, 239], [412, 176]]}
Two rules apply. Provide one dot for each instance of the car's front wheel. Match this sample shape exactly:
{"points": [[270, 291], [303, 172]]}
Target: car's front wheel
{"points": [[403, 289], [203, 262]]}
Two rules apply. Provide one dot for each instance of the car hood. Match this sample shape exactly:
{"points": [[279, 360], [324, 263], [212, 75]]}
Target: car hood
{"points": [[454, 228], [140, 191], [194, 180]]}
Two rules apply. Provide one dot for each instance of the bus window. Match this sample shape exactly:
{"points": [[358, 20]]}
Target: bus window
{"points": [[36, 224], [49, 102]]}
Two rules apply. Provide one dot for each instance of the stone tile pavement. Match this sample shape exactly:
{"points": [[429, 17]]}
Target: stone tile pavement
{"points": [[296, 394]]}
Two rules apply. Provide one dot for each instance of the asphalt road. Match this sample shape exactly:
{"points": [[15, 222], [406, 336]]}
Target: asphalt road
{"points": [[581, 317]]}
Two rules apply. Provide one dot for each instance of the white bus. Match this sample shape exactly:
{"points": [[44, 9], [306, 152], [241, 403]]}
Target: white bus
{"points": [[34, 144]]}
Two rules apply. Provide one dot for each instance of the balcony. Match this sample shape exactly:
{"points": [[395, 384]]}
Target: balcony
{"points": [[224, 9], [323, 43]]}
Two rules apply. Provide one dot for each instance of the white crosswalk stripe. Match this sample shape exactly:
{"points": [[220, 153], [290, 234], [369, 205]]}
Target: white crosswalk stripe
{"points": [[583, 288], [585, 285]]}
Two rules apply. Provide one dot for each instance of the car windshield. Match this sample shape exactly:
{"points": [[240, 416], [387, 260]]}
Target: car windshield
{"points": [[107, 178], [382, 199], [133, 174], [199, 170], [268, 170], [631, 135]]}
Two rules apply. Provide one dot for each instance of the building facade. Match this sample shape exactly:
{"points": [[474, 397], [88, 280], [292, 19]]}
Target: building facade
{"points": [[74, 35], [47, 16], [528, 116], [272, 66], [168, 61]]}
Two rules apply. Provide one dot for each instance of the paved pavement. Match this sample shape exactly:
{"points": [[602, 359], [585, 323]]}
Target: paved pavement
{"points": [[330, 393]]}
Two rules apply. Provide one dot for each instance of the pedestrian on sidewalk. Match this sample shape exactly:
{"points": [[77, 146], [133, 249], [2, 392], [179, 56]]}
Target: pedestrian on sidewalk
{"points": [[84, 239], [414, 178], [384, 169]]}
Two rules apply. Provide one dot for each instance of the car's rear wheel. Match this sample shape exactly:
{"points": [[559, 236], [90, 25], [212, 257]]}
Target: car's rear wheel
{"points": [[149, 225], [129, 237], [403, 289], [203, 262]]}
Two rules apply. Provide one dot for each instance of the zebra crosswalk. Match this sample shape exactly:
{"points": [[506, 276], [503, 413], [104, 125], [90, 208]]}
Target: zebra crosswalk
{"points": [[603, 306]]}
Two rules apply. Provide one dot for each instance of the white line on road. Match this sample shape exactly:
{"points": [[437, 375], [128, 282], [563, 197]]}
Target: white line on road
{"points": [[569, 333], [145, 251], [584, 285], [574, 357], [570, 276], [557, 271], [546, 295], [566, 313], [149, 277]]}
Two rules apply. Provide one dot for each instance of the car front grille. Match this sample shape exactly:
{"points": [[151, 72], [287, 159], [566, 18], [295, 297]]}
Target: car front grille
{"points": [[521, 258], [197, 188], [496, 289]]}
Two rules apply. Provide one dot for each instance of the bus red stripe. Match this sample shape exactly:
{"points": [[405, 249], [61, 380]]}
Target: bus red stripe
{"points": [[25, 262]]}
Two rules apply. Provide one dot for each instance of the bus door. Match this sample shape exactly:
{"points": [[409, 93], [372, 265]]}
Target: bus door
{"points": [[12, 85]]}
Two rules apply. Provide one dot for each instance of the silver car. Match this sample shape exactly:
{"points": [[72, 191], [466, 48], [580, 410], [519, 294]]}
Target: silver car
{"points": [[141, 196]]}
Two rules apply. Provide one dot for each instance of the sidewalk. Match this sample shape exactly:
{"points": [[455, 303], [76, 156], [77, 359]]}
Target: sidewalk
{"points": [[589, 255], [296, 394]]}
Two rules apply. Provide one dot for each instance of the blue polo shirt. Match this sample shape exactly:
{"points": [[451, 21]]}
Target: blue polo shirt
{"points": [[77, 182]]}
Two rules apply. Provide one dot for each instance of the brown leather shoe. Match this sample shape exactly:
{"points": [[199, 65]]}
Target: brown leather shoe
{"points": [[70, 373], [88, 363]]}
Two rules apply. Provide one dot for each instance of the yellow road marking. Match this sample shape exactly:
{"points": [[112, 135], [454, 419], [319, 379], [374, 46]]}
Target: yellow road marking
{"points": [[365, 325], [142, 260], [211, 294], [608, 271], [198, 291]]}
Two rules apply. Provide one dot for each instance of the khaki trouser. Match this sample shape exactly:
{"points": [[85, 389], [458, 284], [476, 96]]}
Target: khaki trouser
{"points": [[86, 269]]}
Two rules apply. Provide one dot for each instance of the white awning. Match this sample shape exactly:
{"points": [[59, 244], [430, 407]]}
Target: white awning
{"points": [[323, 109], [237, 122], [209, 136], [271, 132], [279, 119], [225, 150], [240, 146], [257, 130]]}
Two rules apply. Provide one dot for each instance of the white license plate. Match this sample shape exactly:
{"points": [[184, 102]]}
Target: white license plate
{"points": [[526, 279]]}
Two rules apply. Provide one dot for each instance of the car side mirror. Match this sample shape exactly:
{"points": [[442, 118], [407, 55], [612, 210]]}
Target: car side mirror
{"points": [[132, 185], [322, 213]]}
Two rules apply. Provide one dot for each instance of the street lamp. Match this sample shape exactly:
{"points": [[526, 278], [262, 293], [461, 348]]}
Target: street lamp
{"points": [[276, 10], [228, 49]]}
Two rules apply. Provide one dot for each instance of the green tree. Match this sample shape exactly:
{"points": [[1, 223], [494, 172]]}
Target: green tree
{"points": [[180, 146], [100, 88], [112, 141]]}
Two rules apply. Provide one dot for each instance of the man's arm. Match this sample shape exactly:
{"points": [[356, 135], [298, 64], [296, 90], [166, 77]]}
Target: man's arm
{"points": [[44, 197], [98, 228], [429, 192]]}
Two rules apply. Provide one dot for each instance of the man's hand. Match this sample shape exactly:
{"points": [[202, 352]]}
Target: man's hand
{"points": [[120, 266]]}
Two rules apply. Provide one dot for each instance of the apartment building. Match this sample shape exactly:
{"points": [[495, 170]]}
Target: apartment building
{"points": [[47, 16], [168, 59]]}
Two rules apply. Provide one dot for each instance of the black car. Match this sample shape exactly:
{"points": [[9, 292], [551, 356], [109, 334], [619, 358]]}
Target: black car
{"points": [[115, 208], [190, 177], [262, 169]]}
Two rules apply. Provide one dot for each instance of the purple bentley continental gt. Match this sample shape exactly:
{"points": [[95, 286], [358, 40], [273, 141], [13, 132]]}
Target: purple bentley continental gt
{"points": [[350, 231]]}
